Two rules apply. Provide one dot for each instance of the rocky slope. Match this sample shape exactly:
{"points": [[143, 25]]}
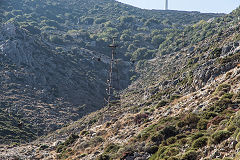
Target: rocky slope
{"points": [[184, 105], [136, 130], [46, 89]]}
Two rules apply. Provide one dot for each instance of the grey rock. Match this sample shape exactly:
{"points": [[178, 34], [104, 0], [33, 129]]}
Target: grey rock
{"points": [[55, 144], [233, 144], [136, 154], [236, 50], [191, 49], [129, 158], [226, 49]]}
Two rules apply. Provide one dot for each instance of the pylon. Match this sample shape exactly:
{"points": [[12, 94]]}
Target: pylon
{"points": [[110, 89]]}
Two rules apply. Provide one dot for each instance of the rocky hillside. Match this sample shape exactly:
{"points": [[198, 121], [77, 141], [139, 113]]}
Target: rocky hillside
{"points": [[202, 124], [46, 88], [55, 60], [183, 106]]}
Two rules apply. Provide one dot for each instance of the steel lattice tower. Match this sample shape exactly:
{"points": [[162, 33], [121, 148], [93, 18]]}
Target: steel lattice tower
{"points": [[110, 81]]}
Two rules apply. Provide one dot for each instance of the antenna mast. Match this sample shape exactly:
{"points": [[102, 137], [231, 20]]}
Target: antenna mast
{"points": [[166, 5], [110, 88]]}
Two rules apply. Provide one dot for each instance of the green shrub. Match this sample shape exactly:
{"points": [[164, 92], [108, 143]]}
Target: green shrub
{"points": [[236, 120], [15, 144], [224, 88], [152, 149], [216, 53], [17, 12], [209, 115], [222, 104], [88, 20], [230, 58], [227, 158], [162, 103], [190, 155], [237, 146], [173, 158], [165, 152], [183, 141], [100, 20], [126, 37], [160, 151], [140, 54], [143, 136], [111, 148], [97, 140], [51, 23], [202, 124], [180, 136], [173, 97], [197, 135], [71, 139], [200, 142], [238, 137], [157, 138], [32, 29], [56, 39], [180, 124], [171, 151], [126, 19], [43, 147], [61, 148], [237, 157], [231, 128], [84, 132], [103, 157], [191, 120], [92, 121], [220, 136], [171, 140], [169, 131], [236, 97], [157, 40], [227, 96]]}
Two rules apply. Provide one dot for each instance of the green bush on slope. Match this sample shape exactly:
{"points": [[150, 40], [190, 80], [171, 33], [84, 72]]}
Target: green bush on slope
{"points": [[200, 142], [220, 136], [190, 155]]}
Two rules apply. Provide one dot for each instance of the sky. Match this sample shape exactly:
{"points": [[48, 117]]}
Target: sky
{"points": [[205, 6]]}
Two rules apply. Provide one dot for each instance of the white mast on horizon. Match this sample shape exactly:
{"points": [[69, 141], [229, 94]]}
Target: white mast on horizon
{"points": [[166, 5]]}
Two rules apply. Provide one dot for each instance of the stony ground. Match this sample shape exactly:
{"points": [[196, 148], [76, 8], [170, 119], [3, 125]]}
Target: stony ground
{"points": [[118, 125]]}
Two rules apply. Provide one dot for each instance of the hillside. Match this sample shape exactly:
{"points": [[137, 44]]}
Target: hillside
{"points": [[49, 51], [184, 105]]}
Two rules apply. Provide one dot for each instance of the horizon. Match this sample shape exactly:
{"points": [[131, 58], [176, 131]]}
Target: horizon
{"points": [[214, 6]]}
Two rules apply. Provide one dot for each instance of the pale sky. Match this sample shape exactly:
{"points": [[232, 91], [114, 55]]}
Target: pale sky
{"points": [[209, 6]]}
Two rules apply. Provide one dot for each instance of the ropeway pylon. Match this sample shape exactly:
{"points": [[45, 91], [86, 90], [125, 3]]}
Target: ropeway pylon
{"points": [[111, 87]]}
